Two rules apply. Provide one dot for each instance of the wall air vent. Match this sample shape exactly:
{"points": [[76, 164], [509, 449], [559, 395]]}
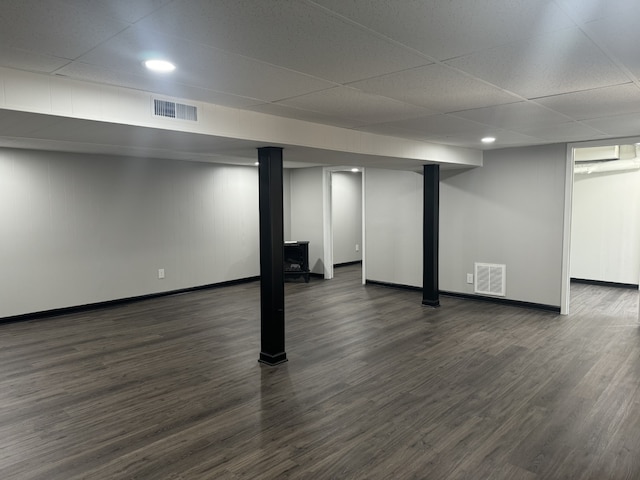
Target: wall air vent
{"points": [[490, 279], [180, 111]]}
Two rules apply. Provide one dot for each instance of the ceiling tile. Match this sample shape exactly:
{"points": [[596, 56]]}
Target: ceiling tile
{"points": [[561, 62], [437, 87], [589, 10], [619, 125], [82, 71], [469, 139], [129, 11], [353, 104], [201, 66], [442, 125], [566, 132], [601, 102], [52, 28], [504, 139], [305, 115], [31, 61], [295, 35], [514, 115], [619, 35], [391, 131], [448, 29]]}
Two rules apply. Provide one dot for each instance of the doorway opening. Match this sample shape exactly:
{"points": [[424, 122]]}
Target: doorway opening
{"points": [[343, 222], [602, 218]]}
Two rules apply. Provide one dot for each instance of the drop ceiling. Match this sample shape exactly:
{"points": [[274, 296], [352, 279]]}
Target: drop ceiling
{"points": [[449, 72]]}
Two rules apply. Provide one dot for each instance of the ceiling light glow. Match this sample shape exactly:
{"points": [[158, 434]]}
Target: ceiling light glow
{"points": [[355, 170], [488, 139], [162, 66]]}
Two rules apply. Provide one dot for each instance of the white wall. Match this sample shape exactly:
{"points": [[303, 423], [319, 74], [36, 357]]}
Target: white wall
{"points": [[393, 223], [510, 211], [346, 212], [286, 203], [605, 227], [79, 229], [306, 213]]}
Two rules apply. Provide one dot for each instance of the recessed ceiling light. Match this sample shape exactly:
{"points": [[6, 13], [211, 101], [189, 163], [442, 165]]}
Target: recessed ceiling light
{"points": [[162, 66], [355, 170], [488, 139], [256, 163]]}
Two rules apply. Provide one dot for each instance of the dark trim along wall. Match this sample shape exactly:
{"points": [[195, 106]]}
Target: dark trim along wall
{"points": [[498, 301], [605, 284], [120, 301]]}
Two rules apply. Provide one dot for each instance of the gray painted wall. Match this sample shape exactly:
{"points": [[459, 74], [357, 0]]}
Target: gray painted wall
{"points": [[79, 229], [509, 212], [605, 227], [393, 223], [346, 212], [286, 202], [306, 213]]}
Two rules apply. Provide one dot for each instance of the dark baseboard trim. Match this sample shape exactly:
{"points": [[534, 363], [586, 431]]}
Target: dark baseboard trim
{"points": [[346, 264], [601, 283], [503, 301], [499, 301], [120, 301], [393, 285]]}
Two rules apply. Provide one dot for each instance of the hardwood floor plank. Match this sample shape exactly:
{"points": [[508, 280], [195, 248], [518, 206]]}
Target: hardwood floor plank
{"points": [[377, 387]]}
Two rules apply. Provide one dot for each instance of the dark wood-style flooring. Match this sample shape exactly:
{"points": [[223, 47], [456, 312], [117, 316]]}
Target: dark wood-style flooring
{"points": [[376, 387]]}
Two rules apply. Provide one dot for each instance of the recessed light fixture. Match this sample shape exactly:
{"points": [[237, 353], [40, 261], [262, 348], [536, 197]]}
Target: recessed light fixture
{"points": [[355, 170], [488, 139], [161, 66], [257, 163]]}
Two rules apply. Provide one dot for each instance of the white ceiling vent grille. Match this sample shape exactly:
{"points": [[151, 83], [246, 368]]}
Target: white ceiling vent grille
{"points": [[491, 279], [167, 109]]}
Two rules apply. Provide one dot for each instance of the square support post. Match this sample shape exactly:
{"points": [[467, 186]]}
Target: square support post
{"points": [[430, 234], [272, 351]]}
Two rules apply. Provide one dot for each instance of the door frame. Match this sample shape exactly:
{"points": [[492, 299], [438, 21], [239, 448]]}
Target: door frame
{"points": [[568, 209], [327, 220]]}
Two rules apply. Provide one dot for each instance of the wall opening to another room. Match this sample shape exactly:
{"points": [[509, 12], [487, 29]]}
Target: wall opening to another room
{"points": [[603, 189]]}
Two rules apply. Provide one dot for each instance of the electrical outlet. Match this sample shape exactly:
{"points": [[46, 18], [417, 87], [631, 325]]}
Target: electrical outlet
{"points": [[469, 277], [161, 273], [357, 247]]}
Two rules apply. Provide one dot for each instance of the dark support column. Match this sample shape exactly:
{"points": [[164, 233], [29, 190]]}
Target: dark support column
{"points": [[430, 232], [271, 253]]}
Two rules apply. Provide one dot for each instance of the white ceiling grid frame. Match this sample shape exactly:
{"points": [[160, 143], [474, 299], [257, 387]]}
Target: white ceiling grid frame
{"points": [[596, 103], [284, 50], [295, 36], [560, 62], [515, 116], [63, 30], [357, 105], [436, 87], [199, 66], [425, 25]]}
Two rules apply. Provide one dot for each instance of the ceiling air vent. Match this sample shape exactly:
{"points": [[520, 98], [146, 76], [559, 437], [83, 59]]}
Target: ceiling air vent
{"points": [[491, 279], [167, 109]]}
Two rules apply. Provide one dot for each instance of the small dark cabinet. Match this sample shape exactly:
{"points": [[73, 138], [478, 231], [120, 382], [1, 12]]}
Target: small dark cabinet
{"points": [[296, 260]]}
